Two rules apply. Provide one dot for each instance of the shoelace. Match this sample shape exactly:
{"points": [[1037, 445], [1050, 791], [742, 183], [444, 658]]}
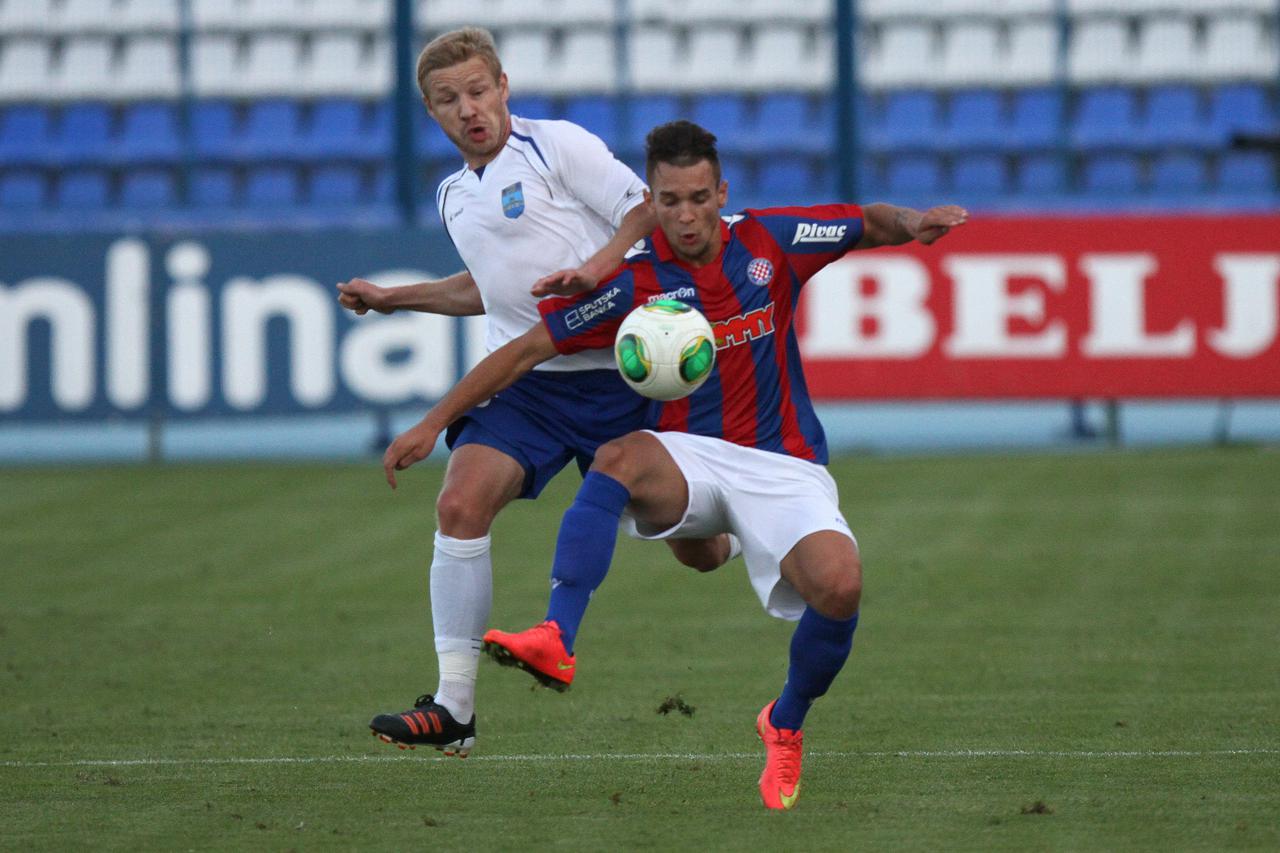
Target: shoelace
{"points": [[788, 758]]}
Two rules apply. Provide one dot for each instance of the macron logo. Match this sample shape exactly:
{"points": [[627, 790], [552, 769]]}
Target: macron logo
{"points": [[812, 232]]}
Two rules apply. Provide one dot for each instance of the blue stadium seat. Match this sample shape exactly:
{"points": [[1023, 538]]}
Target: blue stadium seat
{"points": [[1108, 176], [787, 121], [1246, 176], [148, 190], [1040, 175], [213, 129], [149, 134], [1035, 120], [82, 190], [532, 106], [84, 135], [213, 188], [784, 181], [742, 186], [22, 191], [1240, 108], [975, 121], [24, 135], [728, 117], [910, 121], [599, 114], [336, 131], [644, 113], [1173, 117], [1178, 176], [335, 186], [977, 178], [430, 139], [272, 187], [1105, 118], [271, 130], [914, 176]]}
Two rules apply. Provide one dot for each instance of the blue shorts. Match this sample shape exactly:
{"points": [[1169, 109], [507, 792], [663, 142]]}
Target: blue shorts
{"points": [[549, 417]]}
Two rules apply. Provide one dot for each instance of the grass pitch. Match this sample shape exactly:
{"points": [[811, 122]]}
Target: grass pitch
{"points": [[1056, 652]]}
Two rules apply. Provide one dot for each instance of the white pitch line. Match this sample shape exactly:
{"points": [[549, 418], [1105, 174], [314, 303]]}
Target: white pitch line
{"points": [[645, 756]]}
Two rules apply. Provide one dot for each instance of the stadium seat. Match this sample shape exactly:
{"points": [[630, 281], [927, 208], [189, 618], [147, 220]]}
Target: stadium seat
{"points": [[215, 67], [526, 57], [342, 14], [25, 131], [1173, 117], [728, 117], [26, 16], [1105, 118], [910, 121], [22, 191], [83, 135], [913, 177], [1240, 108], [785, 58], [272, 187], [336, 131], [1107, 176], [25, 69], [428, 137], [1036, 120], [1099, 51], [148, 190], [978, 178], [587, 62], [1178, 176], [1238, 48], [1032, 55], [785, 181], [1166, 49], [742, 186], [215, 14], [148, 68], [599, 114], [78, 16], [713, 62], [975, 120], [1041, 175], [148, 134], [271, 130], [213, 128], [213, 188], [81, 190], [970, 54], [532, 106], [333, 66], [645, 112], [335, 186], [793, 122], [148, 15], [653, 61], [905, 55], [1246, 176], [272, 65], [85, 70]]}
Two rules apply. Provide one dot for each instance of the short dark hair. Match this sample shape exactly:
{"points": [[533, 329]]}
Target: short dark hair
{"points": [[680, 143]]}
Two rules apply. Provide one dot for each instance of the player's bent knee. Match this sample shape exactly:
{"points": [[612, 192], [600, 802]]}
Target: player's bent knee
{"points": [[462, 515], [841, 594], [619, 459]]}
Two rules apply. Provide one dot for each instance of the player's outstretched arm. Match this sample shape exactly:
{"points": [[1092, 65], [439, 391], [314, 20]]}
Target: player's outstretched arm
{"points": [[455, 296], [890, 225], [636, 225], [496, 371]]}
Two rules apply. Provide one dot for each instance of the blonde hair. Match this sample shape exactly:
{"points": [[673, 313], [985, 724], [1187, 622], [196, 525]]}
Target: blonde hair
{"points": [[449, 49]]}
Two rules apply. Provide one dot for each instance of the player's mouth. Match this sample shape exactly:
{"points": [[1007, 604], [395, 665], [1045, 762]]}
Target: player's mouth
{"points": [[478, 134]]}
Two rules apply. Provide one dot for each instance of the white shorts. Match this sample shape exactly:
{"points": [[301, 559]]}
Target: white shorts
{"points": [[768, 500]]}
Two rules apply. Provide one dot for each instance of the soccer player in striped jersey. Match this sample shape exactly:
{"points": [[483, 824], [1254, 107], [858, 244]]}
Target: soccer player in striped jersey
{"points": [[744, 454], [532, 198]]}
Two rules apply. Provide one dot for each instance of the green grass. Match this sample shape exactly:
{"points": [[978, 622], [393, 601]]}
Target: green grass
{"points": [[1097, 633]]}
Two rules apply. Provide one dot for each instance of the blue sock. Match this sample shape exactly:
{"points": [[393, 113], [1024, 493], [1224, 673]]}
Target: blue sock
{"points": [[819, 648], [584, 550]]}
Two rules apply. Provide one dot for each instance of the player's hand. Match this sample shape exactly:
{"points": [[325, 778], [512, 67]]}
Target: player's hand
{"points": [[363, 296], [564, 283], [411, 446], [937, 221]]}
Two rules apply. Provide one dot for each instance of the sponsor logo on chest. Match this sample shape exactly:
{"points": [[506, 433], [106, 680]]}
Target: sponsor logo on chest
{"points": [[513, 200], [812, 232]]}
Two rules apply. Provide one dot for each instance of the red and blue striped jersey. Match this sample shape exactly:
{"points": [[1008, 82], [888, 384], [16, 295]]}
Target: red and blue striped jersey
{"points": [[756, 395]]}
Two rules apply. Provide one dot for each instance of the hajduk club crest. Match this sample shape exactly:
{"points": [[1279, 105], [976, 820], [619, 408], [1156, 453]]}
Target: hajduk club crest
{"points": [[760, 271]]}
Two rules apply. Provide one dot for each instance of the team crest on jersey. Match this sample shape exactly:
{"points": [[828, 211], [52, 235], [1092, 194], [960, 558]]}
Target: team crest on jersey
{"points": [[513, 200], [760, 271]]}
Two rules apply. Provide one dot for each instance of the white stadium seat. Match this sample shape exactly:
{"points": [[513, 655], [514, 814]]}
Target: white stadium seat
{"points": [[1239, 47], [347, 14], [588, 62], [217, 14], [1166, 49], [1099, 51], [26, 16], [788, 11], [272, 65], [904, 55], [1017, 8], [85, 70], [215, 69], [782, 59], [25, 68], [333, 65], [1032, 57], [81, 16], [715, 60], [574, 13], [653, 59], [148, 68], [376, 70], [970, 54], [526, 57], [149, 15], [655, 10], [266, 14]]}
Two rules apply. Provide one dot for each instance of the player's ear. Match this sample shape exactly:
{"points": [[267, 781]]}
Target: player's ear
{"points": [[648, 198], [722, 194], [504, 89]]}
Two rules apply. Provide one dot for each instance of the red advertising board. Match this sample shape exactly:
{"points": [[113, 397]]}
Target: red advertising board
{"points": [[1003, 307]]}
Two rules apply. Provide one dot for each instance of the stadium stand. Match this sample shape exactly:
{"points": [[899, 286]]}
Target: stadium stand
{"points": [[286, 111]]}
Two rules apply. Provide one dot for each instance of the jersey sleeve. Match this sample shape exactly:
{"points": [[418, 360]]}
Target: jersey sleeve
{"points": [[589, 320], [588, 170], [812, 237]]}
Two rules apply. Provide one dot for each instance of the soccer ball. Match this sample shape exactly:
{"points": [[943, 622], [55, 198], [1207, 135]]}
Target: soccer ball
{"points": [[665, 349]]}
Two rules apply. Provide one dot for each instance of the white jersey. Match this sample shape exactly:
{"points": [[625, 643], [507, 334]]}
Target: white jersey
{"points": [[550, 199]]}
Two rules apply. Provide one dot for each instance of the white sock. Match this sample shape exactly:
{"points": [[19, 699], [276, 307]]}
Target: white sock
{"points": [[461, 598], [735, 546]]}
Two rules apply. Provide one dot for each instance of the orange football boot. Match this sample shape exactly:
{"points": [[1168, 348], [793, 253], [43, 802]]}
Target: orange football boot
{"points": [[780, 781], [539, 651]]}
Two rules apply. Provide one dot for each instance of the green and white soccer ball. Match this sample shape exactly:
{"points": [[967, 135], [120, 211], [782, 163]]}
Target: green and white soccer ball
{"points": [[665, 349]]}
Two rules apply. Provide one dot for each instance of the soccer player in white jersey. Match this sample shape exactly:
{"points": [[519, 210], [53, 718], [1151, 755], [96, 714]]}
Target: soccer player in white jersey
{"points": [[534, 198]]}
